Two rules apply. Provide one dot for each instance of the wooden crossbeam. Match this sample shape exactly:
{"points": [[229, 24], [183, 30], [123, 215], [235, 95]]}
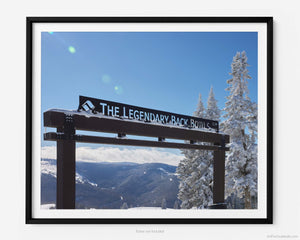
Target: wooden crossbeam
{"points": [[56, 118], [52, 136]]}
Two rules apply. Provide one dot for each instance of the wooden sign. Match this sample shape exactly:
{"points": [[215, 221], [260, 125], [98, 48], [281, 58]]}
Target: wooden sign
{"points": [[125, 111]]}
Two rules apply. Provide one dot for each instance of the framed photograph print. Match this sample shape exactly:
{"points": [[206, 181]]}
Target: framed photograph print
{"points": [[149, 120]]}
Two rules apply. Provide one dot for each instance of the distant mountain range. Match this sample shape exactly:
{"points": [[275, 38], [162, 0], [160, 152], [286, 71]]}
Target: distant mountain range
{"points": [[109, 185]]}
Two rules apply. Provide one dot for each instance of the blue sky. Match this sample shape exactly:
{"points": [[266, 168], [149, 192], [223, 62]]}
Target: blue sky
{"points": [[164, 71]]}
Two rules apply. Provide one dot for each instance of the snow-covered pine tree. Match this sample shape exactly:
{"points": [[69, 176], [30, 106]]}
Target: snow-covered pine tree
{"points": [[212, 111], [200, 110], [124, 206], [188, 170], [176, 204], [206, 165], [164, 204], [241, 124]]}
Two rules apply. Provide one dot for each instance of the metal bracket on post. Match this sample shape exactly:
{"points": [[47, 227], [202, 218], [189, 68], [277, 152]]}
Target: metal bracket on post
{"points": [[68, 129], [223, 141], [121, 135]]}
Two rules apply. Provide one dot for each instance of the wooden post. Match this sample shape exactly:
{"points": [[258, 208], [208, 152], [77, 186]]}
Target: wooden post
{"points": [[66, 168], [219, 178]]}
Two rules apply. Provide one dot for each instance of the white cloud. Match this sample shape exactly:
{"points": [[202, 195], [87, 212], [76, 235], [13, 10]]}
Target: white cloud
{"points": [[111, 154], [49, 152]]}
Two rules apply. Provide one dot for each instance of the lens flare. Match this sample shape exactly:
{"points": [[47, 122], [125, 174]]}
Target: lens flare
{"points": [[106, 79], [118, 89], [50, 32], [72, 49]]}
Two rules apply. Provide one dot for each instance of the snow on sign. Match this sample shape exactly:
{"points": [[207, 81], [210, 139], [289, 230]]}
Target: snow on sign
{"points": [[120, 110]]}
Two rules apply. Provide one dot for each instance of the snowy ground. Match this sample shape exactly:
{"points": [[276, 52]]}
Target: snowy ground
{"points": [[145, 208], [47, 206], [52, 205]]}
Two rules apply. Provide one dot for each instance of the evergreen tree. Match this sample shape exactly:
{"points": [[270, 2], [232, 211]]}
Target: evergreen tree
{"points": [[206, 166], [124, 206], [195, 170], [241, 124], [164, 203], [200, 110], [176, 204], [213, 112]]}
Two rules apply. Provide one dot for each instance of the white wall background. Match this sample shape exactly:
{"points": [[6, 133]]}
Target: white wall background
{"points": [[286, 114]]}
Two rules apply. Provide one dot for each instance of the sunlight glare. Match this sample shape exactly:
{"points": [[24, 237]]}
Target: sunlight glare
{"points": [[72, 49]]}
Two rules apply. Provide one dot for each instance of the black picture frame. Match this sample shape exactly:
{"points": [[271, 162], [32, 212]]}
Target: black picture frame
{"points": [[29, 120]]}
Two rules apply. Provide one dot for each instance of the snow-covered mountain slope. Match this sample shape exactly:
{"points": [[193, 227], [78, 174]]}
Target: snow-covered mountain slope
{"points": [[110, 185], [48, 166]]}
